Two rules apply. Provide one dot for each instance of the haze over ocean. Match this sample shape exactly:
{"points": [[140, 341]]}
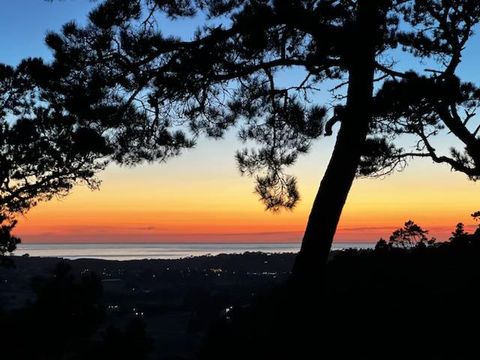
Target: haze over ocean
{"points": [[125, 252]]}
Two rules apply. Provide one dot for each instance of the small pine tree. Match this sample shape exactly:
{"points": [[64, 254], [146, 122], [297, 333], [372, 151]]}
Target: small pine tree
{"points": [[410, 235], [459, 233]]}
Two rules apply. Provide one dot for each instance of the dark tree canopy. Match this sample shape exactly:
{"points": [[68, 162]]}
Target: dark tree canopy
{"points": [[149, 93], [44, 151], [424, 104]]}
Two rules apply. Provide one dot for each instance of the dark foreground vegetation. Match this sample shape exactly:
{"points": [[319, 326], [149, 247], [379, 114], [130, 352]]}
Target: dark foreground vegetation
{"points": [[417, 301], [389, 303]]}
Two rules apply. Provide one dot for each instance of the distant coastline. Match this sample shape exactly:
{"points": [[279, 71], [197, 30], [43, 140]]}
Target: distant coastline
{"points": [[139, 251]]}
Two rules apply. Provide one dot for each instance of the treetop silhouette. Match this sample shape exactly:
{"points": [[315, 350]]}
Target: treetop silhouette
{"points": [[410, 235]]}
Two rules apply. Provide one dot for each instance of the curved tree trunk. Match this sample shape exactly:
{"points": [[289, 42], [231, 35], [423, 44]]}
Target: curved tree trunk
{"points": [[342, 168]]}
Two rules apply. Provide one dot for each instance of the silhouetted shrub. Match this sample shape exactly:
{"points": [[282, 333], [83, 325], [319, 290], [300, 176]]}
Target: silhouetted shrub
{"points": [[8, 242]]}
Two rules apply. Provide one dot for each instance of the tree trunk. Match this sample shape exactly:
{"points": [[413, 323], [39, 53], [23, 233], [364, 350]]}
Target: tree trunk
{"points": [[342, 168]]}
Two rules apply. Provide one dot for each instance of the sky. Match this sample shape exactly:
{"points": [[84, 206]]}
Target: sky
{"points": [[201, 197]]}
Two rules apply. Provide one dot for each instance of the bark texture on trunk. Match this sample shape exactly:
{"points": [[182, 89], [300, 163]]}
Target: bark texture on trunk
{"points": [[338, 178]]}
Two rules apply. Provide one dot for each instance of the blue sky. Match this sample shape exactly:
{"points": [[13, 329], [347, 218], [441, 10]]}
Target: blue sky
{"points": [[24, 24]]}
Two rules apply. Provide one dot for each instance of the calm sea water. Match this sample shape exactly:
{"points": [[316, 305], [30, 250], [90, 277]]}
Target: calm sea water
{"points": [[157, 251]]}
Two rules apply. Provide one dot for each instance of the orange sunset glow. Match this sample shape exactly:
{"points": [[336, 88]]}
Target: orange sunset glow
{"points": [[192, 200]]}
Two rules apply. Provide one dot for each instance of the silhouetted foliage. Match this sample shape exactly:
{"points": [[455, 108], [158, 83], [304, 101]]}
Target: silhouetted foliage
{"points": [[459, 233], [381, 245], [462, 238], [43, 150], [8, 242], [375, 298], [148, 94], [476, 216], [410, 235], [225, 76]]}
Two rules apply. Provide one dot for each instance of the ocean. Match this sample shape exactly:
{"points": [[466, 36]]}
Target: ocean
{"points": [[158, 251]]}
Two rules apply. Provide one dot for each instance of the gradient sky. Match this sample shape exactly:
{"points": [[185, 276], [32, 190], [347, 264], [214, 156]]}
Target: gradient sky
{"points": [[201, 197]]}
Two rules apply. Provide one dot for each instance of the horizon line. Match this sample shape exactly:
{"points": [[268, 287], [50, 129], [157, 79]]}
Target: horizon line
{"points": [[184, 242]]}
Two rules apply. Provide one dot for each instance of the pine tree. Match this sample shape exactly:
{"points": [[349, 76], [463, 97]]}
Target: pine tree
{"points": [[150, 95], [43, 151]]}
